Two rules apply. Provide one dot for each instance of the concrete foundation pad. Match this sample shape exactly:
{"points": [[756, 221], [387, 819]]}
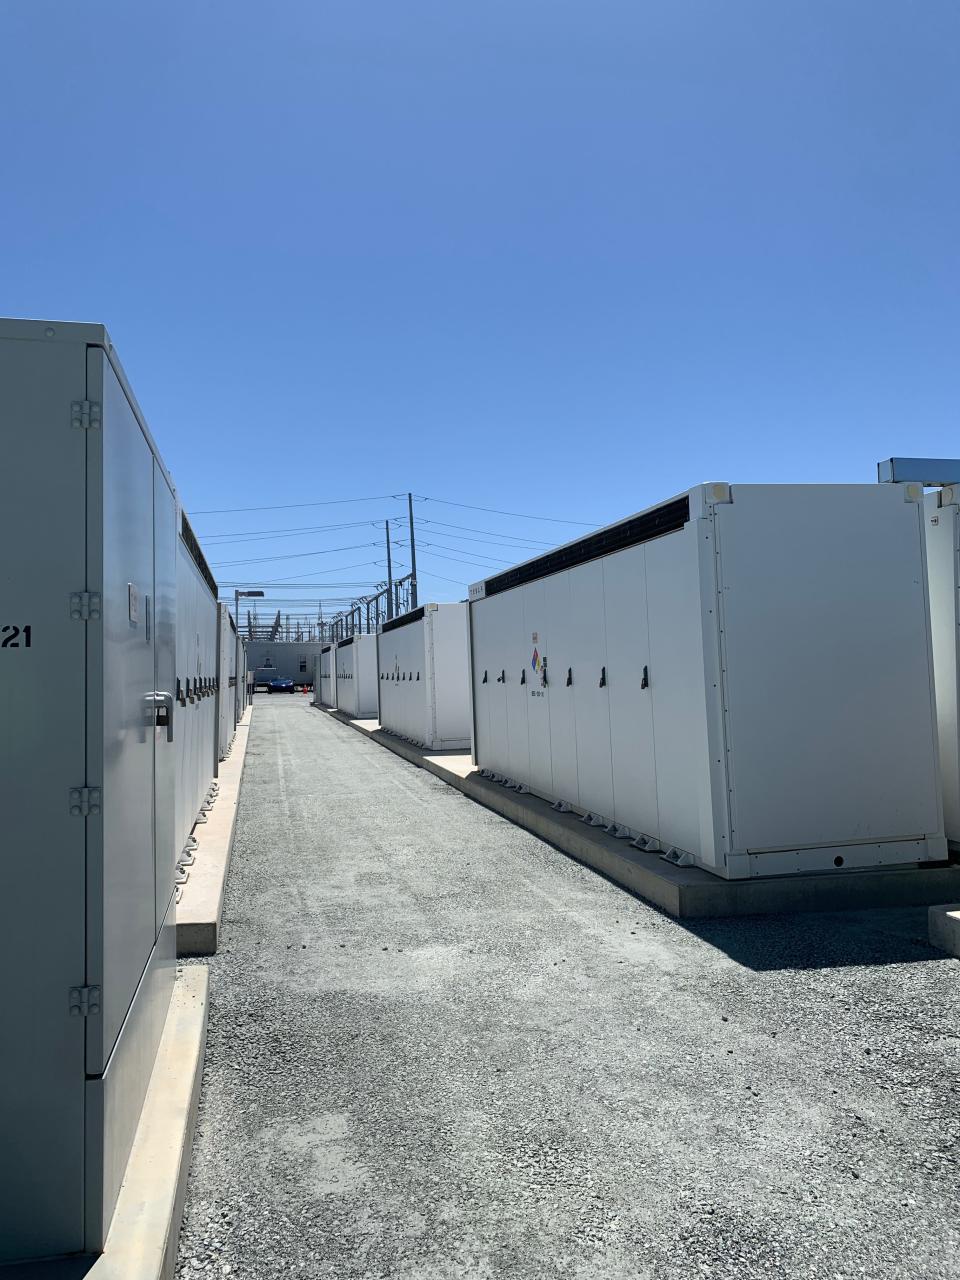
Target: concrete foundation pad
{"points": [[945, 928], [684, 892], [142, 1243], [201, 905]]}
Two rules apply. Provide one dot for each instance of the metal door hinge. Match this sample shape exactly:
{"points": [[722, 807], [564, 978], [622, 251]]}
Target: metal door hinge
{"points": [[85, 414], [84, 1001], [85, 605], [84, 801]]}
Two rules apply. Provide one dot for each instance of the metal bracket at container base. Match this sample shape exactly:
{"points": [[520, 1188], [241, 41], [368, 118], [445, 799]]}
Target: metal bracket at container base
{"points": [[678, 857], [187, 858], [594, 820], [521, 788], [182, 875], [84, 801], [561, 806], [648, 843], [618, 831], [83, 1001], [178, 892], [85, 414]]}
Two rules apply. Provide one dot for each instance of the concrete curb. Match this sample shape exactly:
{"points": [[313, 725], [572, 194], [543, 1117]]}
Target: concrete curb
{"points": [[142, 1244], [683, 892], [944, 924], [201, 907]]}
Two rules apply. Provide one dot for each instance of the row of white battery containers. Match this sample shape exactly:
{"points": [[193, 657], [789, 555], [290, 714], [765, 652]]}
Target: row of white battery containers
{"points": [[355, 659], [227, 681], [106, 612], [325, 677], [424, 679], [195, 718], [740, 677]]}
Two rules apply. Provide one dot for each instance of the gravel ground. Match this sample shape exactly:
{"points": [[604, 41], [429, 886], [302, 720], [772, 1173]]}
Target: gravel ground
{"points": [[439, 1048]]}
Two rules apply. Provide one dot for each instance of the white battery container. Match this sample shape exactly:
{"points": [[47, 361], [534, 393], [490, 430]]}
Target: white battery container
{"points": [[327, 683], [356, 668], [316, 682], [227, 647], [740, 677], [95, 780], [197, 665], [943, 563], [424, 678]]}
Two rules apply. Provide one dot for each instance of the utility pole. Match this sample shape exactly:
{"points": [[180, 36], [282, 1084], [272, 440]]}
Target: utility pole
{"points": [[389, 577], [413, 555]]}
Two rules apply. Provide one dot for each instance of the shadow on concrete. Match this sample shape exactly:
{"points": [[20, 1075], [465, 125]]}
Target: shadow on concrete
{"points": [[821, 940], [55, 1269]]}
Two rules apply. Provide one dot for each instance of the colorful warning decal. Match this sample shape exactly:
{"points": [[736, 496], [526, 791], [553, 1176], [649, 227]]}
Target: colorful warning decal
{"points": [[536, 661]]}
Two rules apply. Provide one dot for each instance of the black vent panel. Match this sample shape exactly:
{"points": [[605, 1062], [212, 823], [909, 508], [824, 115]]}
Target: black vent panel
{"points": [[196, 555], [629, 533], [404, 620]]}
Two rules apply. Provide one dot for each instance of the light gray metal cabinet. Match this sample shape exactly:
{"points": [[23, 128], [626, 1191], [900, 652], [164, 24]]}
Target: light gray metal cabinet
{"points": [[563, 724], [499, 624], [533, 651], [677, 688], [328, 676], [482, 641], [316, 682], [84, 783], [43, 753], [424, 683], [120, 555], [632, 751], [226, 699], [356, 674], [196, 653], [742, 676], [942, 513], [591, 696], [164, 614]]}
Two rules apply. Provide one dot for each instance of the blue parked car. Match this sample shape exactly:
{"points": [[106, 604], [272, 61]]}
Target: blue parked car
{"points": [[279, 685], [267, 677]]}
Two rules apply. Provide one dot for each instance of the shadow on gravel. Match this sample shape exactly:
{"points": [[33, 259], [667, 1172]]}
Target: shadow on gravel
{"points": [[830, 940]]}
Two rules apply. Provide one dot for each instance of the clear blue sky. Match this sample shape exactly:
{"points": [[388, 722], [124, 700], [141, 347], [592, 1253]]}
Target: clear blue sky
{"points": [[557, 258]]}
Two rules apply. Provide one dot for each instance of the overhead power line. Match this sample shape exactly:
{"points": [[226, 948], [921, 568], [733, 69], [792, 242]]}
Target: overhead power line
{"points": [[515, 537], [485, 542], [268, 535], [475, 563], [293, 555], [520, 515], [383, 497], [290, 506], [457, 582]]}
